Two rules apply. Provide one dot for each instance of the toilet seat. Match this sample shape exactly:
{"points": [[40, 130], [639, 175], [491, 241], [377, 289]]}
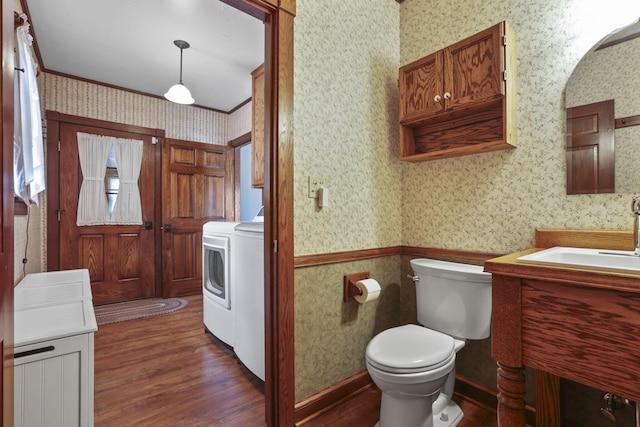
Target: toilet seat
{"points": [[410, 349]]}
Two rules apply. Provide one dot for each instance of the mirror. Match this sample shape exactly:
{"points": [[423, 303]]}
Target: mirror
{"points": [[610, 71]]}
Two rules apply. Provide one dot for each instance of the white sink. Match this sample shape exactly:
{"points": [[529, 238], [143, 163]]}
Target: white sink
{"points": [[601, 259]]}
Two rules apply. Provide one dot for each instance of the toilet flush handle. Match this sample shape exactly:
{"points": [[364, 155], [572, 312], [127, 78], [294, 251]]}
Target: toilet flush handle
{"points": [[414, 278]]}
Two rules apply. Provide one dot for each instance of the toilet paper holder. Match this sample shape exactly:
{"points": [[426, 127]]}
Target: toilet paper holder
{"points": [[350, 288]]}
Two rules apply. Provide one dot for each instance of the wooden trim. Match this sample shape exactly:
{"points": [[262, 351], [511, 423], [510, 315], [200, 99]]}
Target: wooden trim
{"points": [[239, 106], [234, 152], [336, 257], [346, 256], [600, 239], [240, 141], [7, 219], [53, 191], [85, 121], [324, 400], [624, 122], [278, 196], [19, 207]]}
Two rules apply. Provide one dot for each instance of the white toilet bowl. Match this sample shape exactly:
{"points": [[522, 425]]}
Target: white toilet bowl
{"points": [[411, 364]]}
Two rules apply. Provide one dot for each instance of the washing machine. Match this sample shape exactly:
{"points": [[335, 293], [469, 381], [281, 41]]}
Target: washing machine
{"points": [[248, 252], [218, 282]]}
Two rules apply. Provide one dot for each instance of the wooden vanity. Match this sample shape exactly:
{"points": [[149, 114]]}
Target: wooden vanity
{"points": [[583, 325]]}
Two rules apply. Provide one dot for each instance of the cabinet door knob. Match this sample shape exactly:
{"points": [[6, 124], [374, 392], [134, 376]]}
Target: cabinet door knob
{"points": [[437, 98], [447, 95]]}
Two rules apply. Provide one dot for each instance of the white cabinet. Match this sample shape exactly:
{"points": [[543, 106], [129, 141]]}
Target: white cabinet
{"points": [[54, 326]]}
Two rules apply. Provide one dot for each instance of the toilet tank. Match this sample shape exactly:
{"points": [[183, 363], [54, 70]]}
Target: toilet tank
{"points": [[453, 298]]}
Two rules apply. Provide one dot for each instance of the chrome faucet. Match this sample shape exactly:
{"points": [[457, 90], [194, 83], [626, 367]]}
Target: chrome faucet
{"points": [[635, 210]]}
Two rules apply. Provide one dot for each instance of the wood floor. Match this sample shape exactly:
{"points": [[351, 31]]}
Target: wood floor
{"points": [[165, 371]]}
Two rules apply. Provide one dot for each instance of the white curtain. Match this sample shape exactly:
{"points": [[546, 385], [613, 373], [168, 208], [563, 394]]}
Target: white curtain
{"points": [[29, 176], [93, 151], [127, 209]]}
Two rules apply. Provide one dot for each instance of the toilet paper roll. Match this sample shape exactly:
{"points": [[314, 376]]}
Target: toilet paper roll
{"points": [[370, 290]]}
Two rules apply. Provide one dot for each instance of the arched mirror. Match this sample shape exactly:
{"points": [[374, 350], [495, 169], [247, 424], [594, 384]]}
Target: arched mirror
{"points": [[603, 116]]}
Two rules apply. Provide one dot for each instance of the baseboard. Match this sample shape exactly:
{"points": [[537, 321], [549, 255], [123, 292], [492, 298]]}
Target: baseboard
{"points": [[324, 400]]}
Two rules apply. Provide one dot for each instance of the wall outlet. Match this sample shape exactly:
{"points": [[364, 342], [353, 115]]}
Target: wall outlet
{"points": [[314, 184]]}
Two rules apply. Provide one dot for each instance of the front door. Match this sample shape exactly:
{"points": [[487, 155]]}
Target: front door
{"points": [[121, 259]]}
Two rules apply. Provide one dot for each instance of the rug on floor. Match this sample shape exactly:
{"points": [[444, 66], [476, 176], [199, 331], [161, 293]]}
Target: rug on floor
{"points": [[129, 310]]}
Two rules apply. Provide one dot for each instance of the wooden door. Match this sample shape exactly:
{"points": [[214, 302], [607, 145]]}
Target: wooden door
{"points": [[197, 181], [420, 83], [590, 148], [473, 68], [121, 258], [6, 219]]}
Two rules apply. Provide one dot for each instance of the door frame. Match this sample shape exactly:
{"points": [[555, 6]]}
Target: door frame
{"points": [[6, 219], [277, 196], [54, 119]]}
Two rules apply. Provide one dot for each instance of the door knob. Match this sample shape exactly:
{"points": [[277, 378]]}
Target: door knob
{"points": [[148, 225], [167, 228]]}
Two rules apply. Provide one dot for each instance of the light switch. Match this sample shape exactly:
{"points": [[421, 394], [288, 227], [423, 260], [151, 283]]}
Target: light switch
{"points": [[314, 184]]}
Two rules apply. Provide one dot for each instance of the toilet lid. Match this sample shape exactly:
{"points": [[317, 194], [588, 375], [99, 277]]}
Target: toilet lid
{"points": [[410, 348]]}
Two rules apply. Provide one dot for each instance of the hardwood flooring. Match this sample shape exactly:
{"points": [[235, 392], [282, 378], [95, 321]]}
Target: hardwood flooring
{"points": [[164, 371]]}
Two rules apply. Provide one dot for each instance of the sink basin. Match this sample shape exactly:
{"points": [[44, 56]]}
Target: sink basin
{"points": [[601, 259]]}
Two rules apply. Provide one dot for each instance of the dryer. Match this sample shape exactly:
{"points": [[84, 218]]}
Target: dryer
{"points": [[218, 282], [248, 253]]}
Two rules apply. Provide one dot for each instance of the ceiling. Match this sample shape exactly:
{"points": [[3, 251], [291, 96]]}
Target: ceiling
{"points": [[129, 44]]}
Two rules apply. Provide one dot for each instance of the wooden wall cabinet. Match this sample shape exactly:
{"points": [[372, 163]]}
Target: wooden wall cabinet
{"points": [[460, 100], [257, 128]]}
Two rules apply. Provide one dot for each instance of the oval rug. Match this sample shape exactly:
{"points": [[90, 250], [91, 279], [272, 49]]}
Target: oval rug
{"points": [[129, 310]]}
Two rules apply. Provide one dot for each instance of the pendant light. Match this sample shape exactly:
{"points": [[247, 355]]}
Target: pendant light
{"points": [[179, 93]]}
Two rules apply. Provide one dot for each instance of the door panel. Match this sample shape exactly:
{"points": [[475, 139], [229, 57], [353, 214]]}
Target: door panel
{"points": [[198, 187], [120, 258], [590, 148]]}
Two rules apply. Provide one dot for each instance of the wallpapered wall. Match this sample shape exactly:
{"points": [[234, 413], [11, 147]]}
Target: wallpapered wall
{"points": [[345, 115], [75, 97], [493, 202]]}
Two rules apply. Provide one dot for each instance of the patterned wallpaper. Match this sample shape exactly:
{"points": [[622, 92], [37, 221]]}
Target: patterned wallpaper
{"points": [[330, 335], [493, 202], [84, 99], [345, 116]]}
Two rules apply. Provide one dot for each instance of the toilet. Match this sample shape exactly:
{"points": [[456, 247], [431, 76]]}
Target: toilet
{"points": [[414, 366]]}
